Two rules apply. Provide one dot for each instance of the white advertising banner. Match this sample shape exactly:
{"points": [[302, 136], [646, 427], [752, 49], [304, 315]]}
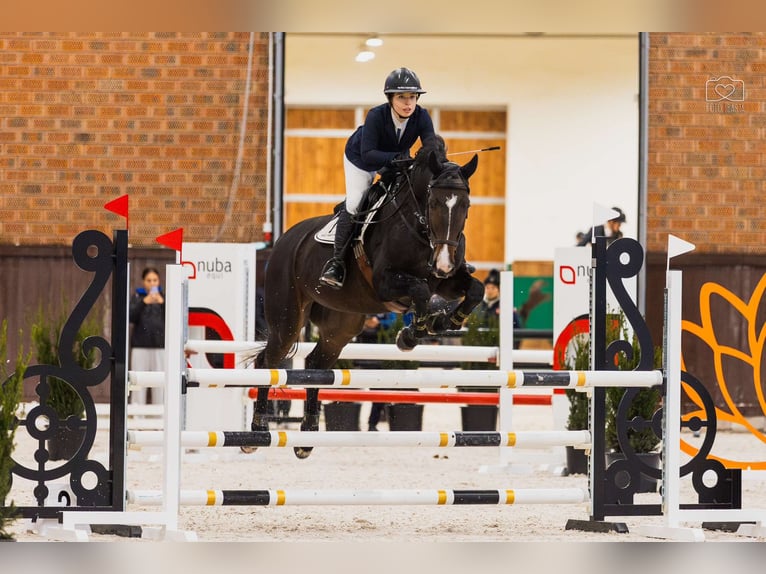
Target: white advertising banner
{"points": [[571, 294], [221, 307]]}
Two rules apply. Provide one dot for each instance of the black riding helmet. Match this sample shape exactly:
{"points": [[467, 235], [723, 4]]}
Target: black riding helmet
{"points": [[402, 80]]}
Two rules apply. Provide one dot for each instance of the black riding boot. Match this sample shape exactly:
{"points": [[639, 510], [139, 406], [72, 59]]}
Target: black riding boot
{"points": [[334, 271]]}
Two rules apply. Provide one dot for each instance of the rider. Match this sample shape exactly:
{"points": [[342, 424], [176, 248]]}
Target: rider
{"points": [[388, 133]]}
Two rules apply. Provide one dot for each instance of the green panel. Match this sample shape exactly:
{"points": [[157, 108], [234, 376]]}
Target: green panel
{"points": [[541, 315]]}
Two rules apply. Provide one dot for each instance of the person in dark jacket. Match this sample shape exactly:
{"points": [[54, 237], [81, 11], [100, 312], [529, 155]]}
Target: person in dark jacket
{"points": [[611, 230], [147, 341], [388, 133]]}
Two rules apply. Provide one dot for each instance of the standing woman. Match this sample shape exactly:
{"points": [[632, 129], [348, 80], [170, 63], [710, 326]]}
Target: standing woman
{"points": [[147, 342], [388, 133]]}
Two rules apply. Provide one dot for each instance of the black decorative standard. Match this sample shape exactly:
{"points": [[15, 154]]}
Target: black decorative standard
{"points": [[614, 486], [94, 486]]}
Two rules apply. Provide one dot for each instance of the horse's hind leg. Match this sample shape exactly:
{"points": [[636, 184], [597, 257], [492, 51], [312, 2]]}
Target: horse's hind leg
{"points": [[335, 330], [282, 336]]}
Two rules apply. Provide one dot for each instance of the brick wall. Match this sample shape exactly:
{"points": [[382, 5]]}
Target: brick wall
{"points": [[706, 158], [88, 117]]}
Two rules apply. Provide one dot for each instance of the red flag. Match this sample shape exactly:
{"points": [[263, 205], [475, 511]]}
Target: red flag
{"points": [[119, 206], [174, 239]]}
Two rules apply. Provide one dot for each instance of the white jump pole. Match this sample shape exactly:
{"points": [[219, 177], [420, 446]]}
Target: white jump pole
{"points": [[371, 378], [384, 351], [286, 439], [432, 497]]}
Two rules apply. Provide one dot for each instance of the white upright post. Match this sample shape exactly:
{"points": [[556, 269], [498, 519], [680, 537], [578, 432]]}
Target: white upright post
{"points": [[505, 359], [505, 362], [176, 314]]}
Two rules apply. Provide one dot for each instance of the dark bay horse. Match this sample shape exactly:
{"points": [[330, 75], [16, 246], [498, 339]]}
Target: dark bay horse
{"points": [[414, 249]]}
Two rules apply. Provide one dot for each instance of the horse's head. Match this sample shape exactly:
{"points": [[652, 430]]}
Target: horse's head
{"points": [[447, 206]]}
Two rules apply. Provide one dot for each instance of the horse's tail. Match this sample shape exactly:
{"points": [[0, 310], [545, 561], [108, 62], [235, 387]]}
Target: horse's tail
{"points": [[251, 355]]}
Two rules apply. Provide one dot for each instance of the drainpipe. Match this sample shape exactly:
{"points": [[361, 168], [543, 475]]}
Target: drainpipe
{"points": [[278, 131], [643, 158]]}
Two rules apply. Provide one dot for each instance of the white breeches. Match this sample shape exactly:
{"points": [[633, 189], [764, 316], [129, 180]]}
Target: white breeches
{"points": [[357, 182]]}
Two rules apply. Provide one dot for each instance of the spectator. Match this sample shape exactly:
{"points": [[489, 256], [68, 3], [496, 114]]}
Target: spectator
{"points": [[147, 341], [611, 230]]}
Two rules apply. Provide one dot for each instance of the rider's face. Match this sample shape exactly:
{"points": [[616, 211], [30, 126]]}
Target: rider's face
{"points": [[404, 104]]}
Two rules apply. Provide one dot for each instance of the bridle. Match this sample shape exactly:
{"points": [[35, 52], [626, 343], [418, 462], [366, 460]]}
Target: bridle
{"points": [[453, 180]]}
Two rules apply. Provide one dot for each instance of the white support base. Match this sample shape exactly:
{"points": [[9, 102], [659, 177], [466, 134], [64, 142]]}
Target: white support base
{"points": [[757, 530], [676, 533], [163, 524], [51, 529]]}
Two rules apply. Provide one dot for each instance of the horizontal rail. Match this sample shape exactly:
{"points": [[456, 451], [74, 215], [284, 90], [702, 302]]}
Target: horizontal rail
{"points": [[351, 395], [362, 497], [415, 378], [222, 439], [382, 351]]}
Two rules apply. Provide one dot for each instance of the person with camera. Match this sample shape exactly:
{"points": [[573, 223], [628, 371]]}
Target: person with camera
{"points": [[147, 341], [388, 133]]}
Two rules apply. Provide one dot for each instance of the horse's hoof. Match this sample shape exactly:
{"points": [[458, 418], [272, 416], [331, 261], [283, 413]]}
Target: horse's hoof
{"points": [[260, 422], [309, 423], [248, 449], [303, 451], [439, 325], [405, 340]]}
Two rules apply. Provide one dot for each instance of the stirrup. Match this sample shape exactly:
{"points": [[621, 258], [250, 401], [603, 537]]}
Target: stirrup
{"points": [[333, 274]]}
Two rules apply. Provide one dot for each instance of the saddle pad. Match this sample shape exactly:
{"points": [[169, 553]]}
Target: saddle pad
{"points": [[327, 233]]}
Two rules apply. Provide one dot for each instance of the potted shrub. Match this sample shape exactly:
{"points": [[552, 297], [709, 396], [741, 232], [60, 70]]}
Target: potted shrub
{"points": [[577, 459], [400, 416], [644, 405], [11, 387], [646, 402], [487, 334], [63, 398]]}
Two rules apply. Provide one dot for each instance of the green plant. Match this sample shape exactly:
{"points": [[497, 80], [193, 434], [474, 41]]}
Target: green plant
{"points": [[46, 335], [481, 332], [646, 401], [388, 335], [11, 387]]}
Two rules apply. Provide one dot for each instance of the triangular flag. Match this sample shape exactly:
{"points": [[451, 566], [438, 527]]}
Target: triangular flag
{"points": [[174, 239], [602, 214], [119, 206], [677, 246]]}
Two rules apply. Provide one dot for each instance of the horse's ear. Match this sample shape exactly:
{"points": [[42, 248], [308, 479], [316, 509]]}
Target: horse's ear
{"points": [[467, 170], [433, 163]]}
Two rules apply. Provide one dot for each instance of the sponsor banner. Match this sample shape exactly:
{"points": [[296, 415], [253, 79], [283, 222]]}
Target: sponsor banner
{"points": [[221, 307], [571, 294]]}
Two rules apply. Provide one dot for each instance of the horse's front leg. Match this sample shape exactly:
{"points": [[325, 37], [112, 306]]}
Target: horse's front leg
{"points": [[395, 285], [462, 285]]}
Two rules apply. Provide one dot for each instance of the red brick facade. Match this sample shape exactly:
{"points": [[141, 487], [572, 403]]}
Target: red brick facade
{"points": [[706, 148], [88, 117]]}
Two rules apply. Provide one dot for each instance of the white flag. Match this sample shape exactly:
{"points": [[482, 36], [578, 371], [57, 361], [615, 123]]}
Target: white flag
{"points": [[677, 246], [602, 214]]}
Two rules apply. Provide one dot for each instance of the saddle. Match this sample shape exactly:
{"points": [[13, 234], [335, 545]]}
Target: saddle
{"points": [[372, 200]]}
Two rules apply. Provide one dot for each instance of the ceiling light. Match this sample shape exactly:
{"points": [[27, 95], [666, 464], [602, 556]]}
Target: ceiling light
{"points": [[374, 42], [365, 55]]}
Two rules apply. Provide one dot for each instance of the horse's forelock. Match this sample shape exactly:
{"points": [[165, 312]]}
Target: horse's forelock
{"points": [[435, 144]]}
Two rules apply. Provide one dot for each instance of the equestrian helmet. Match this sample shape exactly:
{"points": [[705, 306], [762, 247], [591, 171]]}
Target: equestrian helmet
{"points": [[402, 80]]}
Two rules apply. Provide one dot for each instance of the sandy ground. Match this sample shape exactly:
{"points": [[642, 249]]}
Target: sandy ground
{"points": [[388, 468]]}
